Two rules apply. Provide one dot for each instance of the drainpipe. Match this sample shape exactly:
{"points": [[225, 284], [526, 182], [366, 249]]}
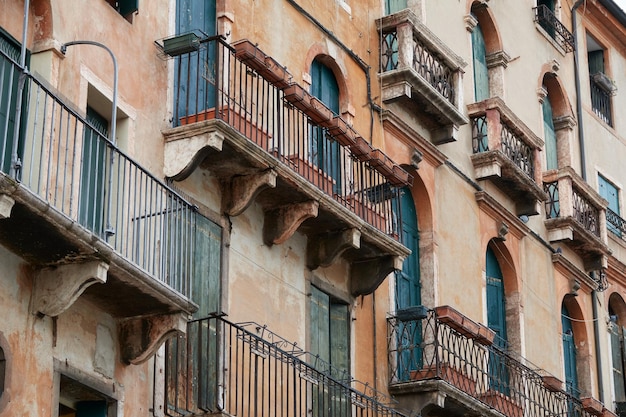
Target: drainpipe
{"points": [[359, 61], [16, 164], [583, 173]]}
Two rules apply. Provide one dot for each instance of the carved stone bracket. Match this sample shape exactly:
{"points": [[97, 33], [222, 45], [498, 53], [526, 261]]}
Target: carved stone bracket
{"points": [[281, 223], [57, 288], [242, 190], [367, 275], [324, 249], [182, 155], [140, 337], [6, 204]]}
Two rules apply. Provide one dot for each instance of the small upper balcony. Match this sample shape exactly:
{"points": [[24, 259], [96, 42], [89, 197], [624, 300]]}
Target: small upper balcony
{"points": [[615, 224], [548, 22], [90, 221], [576, 215], [418, 68], [441, 360], [228, 369], [239, 116], [506, 152]]}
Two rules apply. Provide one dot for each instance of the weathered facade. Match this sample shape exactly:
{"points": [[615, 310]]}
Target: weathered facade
{"points": [[312, 207]]}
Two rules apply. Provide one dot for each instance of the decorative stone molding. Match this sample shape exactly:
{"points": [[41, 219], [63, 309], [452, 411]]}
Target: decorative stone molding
{"points": [[366, 276], [470, 22], [324, 249], [241, 191], [498, 59], [6, 204], [183, 150], [58, 287], [140, 337], [281, 223]]}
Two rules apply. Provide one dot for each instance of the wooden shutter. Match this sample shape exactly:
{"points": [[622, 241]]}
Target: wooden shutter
{"points": [[481, 73], [320, 330], [617, 354], [207, 267], [408, 286], [569, 354], [393, 6], [549, 135]]}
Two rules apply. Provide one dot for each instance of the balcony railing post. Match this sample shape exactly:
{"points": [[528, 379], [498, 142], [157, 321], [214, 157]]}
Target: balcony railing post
{"points": [[602, 224], [406, 45], [494, 129], [566, 196]]}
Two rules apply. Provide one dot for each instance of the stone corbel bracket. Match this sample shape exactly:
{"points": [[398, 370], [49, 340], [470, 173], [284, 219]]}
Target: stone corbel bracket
{"points": [[241, 191], [324, 249], [281, 223], [6, 205], [140, 337], [182, 154], [57, 288], [366, 276]]}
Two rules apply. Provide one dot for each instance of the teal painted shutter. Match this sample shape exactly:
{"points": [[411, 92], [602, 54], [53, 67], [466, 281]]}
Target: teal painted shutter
{"points": [[9, 76], [324, 152], [481, 73], [596, 61], [569, 354], [609, 192], [617, 354], [192, 78], [339, 337], [320, 331], [393, 6], [93, 172], [207, 267], [91, 409], [550, 135], [496, 320]]}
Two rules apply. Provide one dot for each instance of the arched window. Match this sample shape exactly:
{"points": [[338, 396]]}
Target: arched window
{"points": [[569, 353], [408, 290], [324, 153], [481, 72], [496, 320], [549, 134]]}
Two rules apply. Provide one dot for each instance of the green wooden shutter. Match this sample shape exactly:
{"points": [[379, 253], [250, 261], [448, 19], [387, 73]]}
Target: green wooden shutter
{"points": [[609, 192], [207, 267], [596, 61], [550, 135], [91, 409], [320, 331], [481, 73], [617, 354], [569, 354], [93, 172], [324, 152], [339, 337], [408, 286], [393, 6], [496, 320]]}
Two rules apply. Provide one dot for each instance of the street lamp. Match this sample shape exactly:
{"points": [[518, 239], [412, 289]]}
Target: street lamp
{"points": [[108, 231]]}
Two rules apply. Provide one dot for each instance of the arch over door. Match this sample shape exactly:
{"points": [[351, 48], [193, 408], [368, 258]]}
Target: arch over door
{"points": [[324, 153], [481, 73], [550, 134]]}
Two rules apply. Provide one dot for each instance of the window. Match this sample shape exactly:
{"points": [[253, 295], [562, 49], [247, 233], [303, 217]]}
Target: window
{"points": [[481, 72], [569, 353], [496, 321], [324, 152], [82, 399], [601, 86], [609, 192], [125, 7], [394, 6], [549, 133]]}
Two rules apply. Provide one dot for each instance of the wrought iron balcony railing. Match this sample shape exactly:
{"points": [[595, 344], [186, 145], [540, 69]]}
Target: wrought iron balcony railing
{"points": [[582, 210], [68, 164], [601, 101], [246, 370], [439, 347], [553, 26], [615, 223], [251, 92]]}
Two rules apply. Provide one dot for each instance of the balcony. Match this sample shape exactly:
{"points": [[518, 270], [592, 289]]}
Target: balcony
{"points": [[506, 152], [546, 19], [576, 215], [269, 141], [418, 69], [449, 365], [91, 221], [222, 368], [615, 224]]}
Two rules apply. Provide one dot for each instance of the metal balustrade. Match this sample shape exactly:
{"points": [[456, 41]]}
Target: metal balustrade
{"points": [[246, 370], [586, 213], [74, 168], [511, 144], [433, 348], [553, 26], [254, 94], [615, 223], [601, 102]]}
